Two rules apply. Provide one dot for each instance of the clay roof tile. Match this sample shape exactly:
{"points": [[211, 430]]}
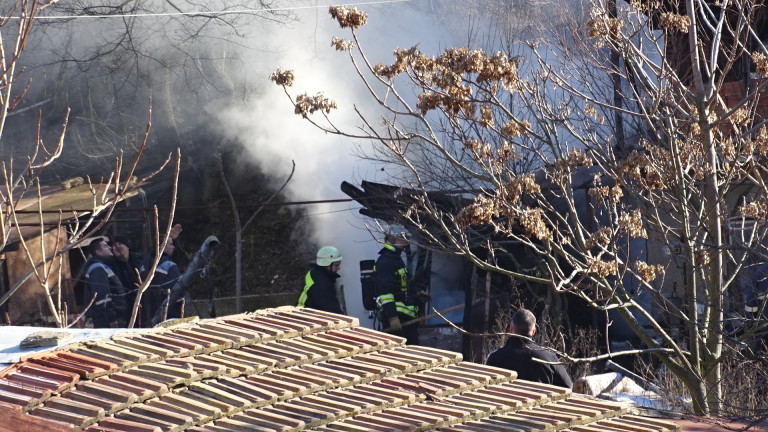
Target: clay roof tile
{"points": [[288, 369]]}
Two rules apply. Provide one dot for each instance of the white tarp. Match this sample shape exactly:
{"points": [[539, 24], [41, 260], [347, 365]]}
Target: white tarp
{"points": [[11, 337]]}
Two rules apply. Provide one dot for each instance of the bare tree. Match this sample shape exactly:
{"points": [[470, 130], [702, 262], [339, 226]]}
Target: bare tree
{"points": [[241, 226], [535, 140]]}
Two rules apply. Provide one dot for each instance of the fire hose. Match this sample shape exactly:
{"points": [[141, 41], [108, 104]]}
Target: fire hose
{"points": [[426, 317]]}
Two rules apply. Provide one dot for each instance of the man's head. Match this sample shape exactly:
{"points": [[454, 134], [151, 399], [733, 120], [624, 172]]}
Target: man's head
{"points": [[169, 247], [398, 239], [121, 248], [523, 323], [330, 258], [100, 248]]}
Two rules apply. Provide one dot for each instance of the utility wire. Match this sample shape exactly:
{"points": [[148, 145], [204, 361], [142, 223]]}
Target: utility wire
{"points": [[200, 207], [117, 219], [203, 13]]}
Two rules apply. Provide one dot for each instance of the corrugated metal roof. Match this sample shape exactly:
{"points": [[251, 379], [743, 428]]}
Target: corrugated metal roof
{"points": [[289, 369]]}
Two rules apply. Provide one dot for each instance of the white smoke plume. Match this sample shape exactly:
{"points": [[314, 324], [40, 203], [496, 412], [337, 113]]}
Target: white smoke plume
{"points": [[274, 136]]}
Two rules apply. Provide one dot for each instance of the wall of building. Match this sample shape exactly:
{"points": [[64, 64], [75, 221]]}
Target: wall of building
{"points": [[28, 305]]}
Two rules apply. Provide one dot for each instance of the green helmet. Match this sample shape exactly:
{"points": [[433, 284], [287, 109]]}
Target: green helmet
{"points": [[328, 255]]}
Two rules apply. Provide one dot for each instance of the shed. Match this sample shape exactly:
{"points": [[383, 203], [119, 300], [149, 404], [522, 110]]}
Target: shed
{"points": [[37, 225]]}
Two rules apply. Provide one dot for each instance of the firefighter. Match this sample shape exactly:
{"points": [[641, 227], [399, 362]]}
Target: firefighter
{"points": [[756, 292], [126, 266], [109, 308], [320, 282], [755, 302], [158, 295], [396, 303]]}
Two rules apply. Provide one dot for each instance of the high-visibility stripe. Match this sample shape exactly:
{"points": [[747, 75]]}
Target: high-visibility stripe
{"points": [[386, 298], [308, 282], [96, 265], [390, 247], [403, 273], [410, 310], [103, 301]]}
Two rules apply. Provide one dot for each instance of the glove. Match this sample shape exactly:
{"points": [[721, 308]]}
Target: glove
{"points": [[394, 324], [423, 296]]}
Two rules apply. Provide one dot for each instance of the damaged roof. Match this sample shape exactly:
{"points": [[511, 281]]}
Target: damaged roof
{"points": [[387, 202], [287, 369], [69, 200]]}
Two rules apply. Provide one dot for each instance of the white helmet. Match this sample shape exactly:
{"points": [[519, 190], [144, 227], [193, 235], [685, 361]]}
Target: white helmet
{"points": [[328, 255], [395, 233]]}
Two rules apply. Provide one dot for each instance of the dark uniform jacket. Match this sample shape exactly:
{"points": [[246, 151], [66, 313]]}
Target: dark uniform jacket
{"points": [[320, 290], [110, 306], [127, 271], [167, 274], [517, 355], [756, 293], [391, 280]]}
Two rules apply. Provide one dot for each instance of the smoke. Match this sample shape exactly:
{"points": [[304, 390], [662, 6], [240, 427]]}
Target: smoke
{"points": [[274, 136]]}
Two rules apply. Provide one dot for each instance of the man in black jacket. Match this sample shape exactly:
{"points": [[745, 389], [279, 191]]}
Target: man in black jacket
{"points": [[158, 295], [397, 303], [127, 264], [109, 308], [519, 354], [320, 282]]}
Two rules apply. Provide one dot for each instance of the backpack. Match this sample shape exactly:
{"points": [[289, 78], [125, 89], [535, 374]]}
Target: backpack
{"points": [[367, 283]]}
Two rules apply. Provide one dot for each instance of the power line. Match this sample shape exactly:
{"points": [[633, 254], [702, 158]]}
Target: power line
{"points": [[200, 207], [205, 13], [334, 211]]}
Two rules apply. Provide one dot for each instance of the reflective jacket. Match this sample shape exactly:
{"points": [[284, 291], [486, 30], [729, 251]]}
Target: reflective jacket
{"points": [[320, 290], [110, 305], [391, 279]]}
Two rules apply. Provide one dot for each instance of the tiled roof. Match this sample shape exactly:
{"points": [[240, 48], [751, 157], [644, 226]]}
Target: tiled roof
{"points": [[290, 369]]}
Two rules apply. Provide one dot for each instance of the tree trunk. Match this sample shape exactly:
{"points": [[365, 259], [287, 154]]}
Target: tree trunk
{"points": [[238, 268], [714, 323]]}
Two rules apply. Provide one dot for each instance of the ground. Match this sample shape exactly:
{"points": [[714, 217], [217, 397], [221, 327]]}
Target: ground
{"points": [[699, 424]]}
